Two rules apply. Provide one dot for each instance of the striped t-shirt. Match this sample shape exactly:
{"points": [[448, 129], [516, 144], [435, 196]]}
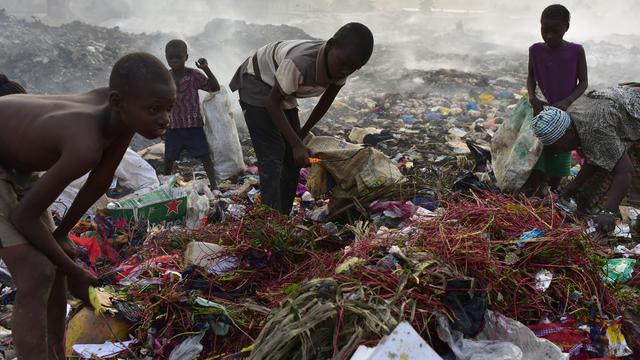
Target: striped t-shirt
{"points": [[297, 68]]}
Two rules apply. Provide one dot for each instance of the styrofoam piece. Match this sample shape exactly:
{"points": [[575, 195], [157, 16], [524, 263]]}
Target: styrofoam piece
{"points": [[404, 343]]}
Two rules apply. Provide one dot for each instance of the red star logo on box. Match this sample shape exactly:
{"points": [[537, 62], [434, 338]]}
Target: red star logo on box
{"points": [[172, 206]]}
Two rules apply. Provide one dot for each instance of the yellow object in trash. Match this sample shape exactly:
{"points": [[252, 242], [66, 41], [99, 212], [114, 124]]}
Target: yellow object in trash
{"points": [[486, 99], [617, 343], [100, 300], [86, 327]]}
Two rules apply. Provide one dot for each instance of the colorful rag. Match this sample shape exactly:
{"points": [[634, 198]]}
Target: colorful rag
{"points": [[550, 124]]}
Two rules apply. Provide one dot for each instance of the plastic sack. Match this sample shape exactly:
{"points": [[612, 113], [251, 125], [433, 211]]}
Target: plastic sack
{"points": [[618, 270], [197, 211], [481, 156], [355, 169], [189, 349], [222, 135], [501, 339], [133, 172], [357, 134], [467, 302], [515, 149]]}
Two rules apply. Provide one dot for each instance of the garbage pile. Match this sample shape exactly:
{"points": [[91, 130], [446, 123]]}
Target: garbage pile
{"points": [[77, 57], [221, 34], [218, 275], [429, 126], [70, 58], [249, 282]]}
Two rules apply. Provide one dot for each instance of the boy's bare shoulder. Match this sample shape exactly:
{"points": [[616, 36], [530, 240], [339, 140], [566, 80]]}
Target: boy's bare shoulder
{"points": [[38, 127]]}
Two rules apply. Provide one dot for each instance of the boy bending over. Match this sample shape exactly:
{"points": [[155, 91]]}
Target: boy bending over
{"points": [[66, 136]]}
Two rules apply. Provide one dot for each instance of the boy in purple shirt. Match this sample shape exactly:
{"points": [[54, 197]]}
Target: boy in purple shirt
{"points": [[559, 69], [186, 128]]}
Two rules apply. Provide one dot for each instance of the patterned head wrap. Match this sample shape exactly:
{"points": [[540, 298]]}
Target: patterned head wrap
{"points": [[550, 125]]}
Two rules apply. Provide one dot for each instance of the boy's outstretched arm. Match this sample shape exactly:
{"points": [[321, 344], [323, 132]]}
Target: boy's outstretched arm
{"points": [[320, 109], [622, 175], [96, 185], [73, 163], [203, 65], [274, 107], [536, 103], [583, 83]]}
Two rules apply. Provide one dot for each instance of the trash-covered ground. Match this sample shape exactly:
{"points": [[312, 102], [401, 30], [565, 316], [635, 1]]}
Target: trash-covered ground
{"points": [[422, 236]]}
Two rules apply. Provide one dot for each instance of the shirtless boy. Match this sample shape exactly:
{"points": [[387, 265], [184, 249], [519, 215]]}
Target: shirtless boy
{"points": [[66, 136]]}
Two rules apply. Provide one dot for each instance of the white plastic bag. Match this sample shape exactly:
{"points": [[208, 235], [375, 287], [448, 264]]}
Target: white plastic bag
{"points": [[515, 149], [197, 210], [133, 172], [222, 135], [189, 349], [501, 339]]}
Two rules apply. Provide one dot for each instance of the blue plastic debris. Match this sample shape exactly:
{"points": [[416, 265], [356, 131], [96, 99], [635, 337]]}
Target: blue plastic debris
{"points": [[408, 119], [504, 94], [425, 202], [528, 235], [432, 116], [472, 105]]}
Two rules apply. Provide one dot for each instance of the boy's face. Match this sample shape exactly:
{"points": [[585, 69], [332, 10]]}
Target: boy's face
{"points": [[553, 32], [176, 58], [342, 63], [146, 111]]}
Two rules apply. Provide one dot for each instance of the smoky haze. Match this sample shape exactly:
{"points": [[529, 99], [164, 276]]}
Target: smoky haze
{"points": [[473, 36]]}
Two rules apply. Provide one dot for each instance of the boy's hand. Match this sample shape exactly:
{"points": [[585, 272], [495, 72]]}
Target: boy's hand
{"points": [[301, 156], [68, 246], [202, 64], [568, 192], [79, 282], [605, 222], [562, 105], [537, 105]]}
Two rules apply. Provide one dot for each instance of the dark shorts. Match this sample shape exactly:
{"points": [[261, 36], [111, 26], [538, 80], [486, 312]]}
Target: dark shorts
{"points": [[191, 139]]}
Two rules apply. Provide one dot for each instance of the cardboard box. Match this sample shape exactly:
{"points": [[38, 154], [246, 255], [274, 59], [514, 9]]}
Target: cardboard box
{"points": [[164, 205]]}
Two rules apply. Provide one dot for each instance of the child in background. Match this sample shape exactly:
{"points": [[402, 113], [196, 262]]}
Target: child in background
{"points": [[559, 69], [186, 129]]}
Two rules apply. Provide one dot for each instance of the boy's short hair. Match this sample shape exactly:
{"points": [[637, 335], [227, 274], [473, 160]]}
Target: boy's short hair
{"points": [[176, 44], [137, 69], [556, 12], [8, 87], [355, 37]]}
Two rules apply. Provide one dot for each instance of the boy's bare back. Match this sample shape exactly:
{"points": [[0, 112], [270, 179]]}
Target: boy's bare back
{"points": [[39, 130]]}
